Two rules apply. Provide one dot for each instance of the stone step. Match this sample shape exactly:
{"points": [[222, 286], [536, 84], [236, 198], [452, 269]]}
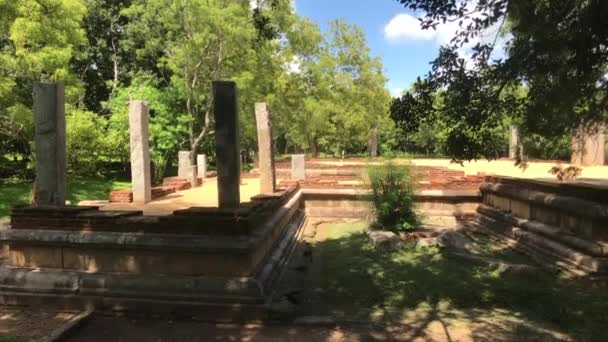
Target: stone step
{"points": [[594, 248], [543, 247]]}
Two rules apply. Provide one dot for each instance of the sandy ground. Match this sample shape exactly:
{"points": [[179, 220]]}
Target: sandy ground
{"points": [[499, 167], [203, 196]]}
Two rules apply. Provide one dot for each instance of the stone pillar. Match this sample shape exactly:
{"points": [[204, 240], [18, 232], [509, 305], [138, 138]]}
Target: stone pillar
{"points": [[227, 147], [588, 148], [184, 168], [50, 140], [298, 167], [513, 142], [201, 166], [265, 155], [140, 152], [373, 143]]}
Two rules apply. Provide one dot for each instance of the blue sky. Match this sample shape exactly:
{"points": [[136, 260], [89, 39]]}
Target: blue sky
{"points": [[392, 33]]}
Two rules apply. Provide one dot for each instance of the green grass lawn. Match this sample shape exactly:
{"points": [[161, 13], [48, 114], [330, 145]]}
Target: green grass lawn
{"points": [[355, 278], [79, 188]]}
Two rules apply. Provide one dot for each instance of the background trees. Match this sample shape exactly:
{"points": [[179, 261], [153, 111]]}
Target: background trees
{"points": [[558, 50], [325, 90]]}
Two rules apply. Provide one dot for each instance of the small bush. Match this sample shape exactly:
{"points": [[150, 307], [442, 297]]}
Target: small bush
{"points": [[392, 195]]}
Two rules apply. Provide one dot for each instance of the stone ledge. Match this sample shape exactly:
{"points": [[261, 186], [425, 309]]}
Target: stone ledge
{"points": [[112, 240], [594, 248], [567, 257], [568, 204]]}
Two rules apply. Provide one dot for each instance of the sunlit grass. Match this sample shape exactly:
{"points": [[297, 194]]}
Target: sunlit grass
{"points": [[14, 192]]}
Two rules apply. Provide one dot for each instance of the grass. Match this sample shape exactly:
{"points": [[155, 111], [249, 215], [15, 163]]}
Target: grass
{"points": [[14, 192], [356, 278]]}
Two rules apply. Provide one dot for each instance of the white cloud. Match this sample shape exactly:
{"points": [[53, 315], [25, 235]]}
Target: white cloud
{"points": [[406, 27]]}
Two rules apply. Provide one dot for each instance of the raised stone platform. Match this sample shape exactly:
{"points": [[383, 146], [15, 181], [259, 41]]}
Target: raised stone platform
{"points": [[563, 225], [196, 261]]}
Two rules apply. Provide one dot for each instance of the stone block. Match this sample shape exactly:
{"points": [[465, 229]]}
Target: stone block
{"points": [[298, 167], [35, 256], [520, 209], [184, 168], [152, 262], [384, 240], [201, 166]]}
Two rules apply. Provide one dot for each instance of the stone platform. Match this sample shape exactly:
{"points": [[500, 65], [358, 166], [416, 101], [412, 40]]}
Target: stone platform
{"points": [[198, 261], [562, 225]]}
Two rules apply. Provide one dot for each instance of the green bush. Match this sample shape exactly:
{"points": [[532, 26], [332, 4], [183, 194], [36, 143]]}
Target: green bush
{"points": [[392, 195]]}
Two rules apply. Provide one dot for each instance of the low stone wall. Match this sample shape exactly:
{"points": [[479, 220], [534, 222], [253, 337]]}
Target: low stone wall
{"points": [[561, 224], [436, 206]]}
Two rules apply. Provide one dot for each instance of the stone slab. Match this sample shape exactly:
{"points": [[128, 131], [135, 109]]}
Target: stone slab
{"points": [[298, 167]]}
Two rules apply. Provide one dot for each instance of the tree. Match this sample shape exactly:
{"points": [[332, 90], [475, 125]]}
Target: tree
{"points": [[558, 49], [38, 38]]}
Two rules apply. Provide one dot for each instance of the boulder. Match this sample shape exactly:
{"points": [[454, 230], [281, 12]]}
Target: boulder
{"points": [[449, 239], [454, 240], [384, 240]]}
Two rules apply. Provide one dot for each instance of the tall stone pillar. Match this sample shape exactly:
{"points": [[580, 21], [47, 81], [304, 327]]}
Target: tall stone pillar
{"points": [[141, 183], [201, 166], [373, 142], [265, 154], [227, 146], [50, 140], [513, 141], [298, 167], [588, 148]]}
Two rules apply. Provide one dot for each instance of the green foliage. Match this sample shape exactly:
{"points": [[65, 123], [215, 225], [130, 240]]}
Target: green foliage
{"points": [[166, 127], [85, 133], [556, 48], [392, 195], [539, 147]]}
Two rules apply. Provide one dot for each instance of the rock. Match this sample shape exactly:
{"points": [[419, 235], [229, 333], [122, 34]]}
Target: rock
{"points": [[384, 240], [427, 242], [282, 307], [454, 240], [448, 239]]}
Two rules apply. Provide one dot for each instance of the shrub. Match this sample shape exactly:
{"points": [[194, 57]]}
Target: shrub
{"points": [[392, 195]]}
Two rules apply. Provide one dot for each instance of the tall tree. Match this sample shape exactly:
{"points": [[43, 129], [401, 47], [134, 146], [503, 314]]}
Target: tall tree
{"points": [[558, 49]]}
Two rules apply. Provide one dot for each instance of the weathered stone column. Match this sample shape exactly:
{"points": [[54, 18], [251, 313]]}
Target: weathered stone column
{"points": [[141, 183], [201, 166], [265, 154], [184, 168], [50, 140], [298, 167], [588, 148], [513, 141], [373, 143], [227, 146]]}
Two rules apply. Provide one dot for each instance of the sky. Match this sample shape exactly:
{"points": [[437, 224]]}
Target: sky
{"points": [[393, 34]]}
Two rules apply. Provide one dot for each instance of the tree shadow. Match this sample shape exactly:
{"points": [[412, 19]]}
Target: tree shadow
{"points": [[357, 282]]}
